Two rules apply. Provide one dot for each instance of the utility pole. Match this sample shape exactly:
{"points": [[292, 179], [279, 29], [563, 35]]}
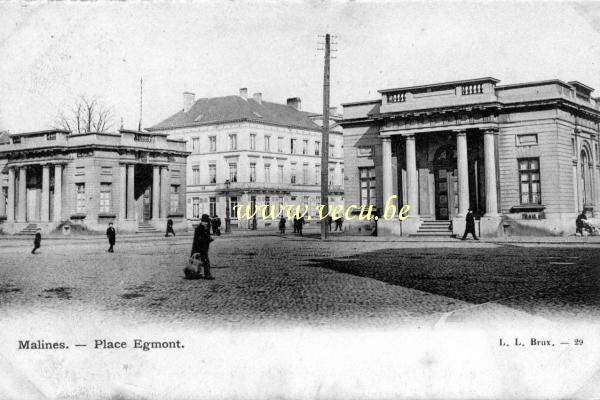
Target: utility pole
{"points": [[325, 141]]}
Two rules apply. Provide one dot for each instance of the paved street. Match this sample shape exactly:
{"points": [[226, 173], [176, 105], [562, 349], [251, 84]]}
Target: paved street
{"points": [[290, 280]]}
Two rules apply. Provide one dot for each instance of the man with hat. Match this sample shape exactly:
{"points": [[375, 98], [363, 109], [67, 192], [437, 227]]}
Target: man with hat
{"points": [[201, 244]]}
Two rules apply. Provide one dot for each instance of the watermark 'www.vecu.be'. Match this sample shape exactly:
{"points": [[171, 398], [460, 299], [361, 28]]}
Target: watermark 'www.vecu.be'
{"points": [[365, 213]]}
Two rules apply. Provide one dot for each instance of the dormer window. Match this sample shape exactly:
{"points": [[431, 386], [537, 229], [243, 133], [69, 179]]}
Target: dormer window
{"points": [[16, 140], [51, 136]]}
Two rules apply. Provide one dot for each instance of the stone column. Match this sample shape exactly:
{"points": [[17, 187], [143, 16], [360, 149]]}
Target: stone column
{"points": [[58, 193], [22, 204], [123, 192], [155, 191], [386, 154], [45, 207], [491, 197], [164, 192], [463, 173], [596, 178], [412, 179], [131, 191], [10, 207], [2, 199]]}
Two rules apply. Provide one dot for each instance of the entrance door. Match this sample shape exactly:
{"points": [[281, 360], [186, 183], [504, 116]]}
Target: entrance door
{"points": [[33, 204], [442, 209], [446, 182], [147, 212]]}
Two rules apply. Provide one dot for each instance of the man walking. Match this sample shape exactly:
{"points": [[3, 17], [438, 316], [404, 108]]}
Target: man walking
{"points": [[282, 222], [470, 226], [201, 244], [169, 228], [338, 224], [111, 235], [37, 241], [579, 224]]}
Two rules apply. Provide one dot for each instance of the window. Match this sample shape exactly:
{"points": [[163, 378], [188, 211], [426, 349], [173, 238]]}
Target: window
{"points": [[317, 174], [51, 136], [573, 148], [233, 141], [196, 207], [212, 173], [195, 174], [212, 142], [105, 197], [365, 151], [317, 148], [79, 171], [529, 173], [252, 172], [280, 144], [174, 199], [16, 140], [212, 206], [267, 173], [292, 145], [233, 172], [305, 147], [293, 174], [252, 141], [331, 176], [233, 202], [305, 174], [267, 143], [5, 197], [280, 173], [267, 202], [107, 171], [195, 145], [367, 186], [331, 150], [81, 198]]}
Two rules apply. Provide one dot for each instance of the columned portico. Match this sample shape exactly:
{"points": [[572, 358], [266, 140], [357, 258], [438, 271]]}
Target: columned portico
{"points": [[164, 192], [463, 173], [22, 203], [155, 191], [491, 196], [412, 181], [123, 191], [10, 212], [58, 193], [131, 191], [45, 206], [386, 154]]}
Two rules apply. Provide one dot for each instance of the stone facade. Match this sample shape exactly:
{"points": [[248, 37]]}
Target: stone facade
{"points": [[524, 157], [55, 178], [268, 152]]}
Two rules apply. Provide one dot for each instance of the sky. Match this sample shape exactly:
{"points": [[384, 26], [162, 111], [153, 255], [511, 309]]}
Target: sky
{"points": [[51, 53]]}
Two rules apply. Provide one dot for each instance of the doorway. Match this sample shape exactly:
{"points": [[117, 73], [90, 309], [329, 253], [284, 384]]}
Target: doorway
{"points": [[446, 183]]}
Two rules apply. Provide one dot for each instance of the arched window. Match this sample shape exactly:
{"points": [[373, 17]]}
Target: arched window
{"points": [[586, 177]]}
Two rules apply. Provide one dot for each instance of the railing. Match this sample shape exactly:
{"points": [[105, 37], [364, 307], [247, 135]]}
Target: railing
{"points": [[475, 88], [396, 97], [143, 138]]}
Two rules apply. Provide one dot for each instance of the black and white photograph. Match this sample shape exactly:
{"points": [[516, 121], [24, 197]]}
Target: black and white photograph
{"points": [[303, 199]]}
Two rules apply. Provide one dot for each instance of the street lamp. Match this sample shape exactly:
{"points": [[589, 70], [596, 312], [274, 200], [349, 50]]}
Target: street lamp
{"points": [[227, 217]]}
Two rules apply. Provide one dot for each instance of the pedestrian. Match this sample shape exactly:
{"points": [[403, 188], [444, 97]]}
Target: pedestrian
{"points": [[295, 223], [300, 224], [218, 224], [329, 221], [579, 223], [201, 244], [37, 241], [338, 224], [169, 227], [282, 222], [470, 225], [111, 235]]}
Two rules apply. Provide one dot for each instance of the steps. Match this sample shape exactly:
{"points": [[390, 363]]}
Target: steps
{"points": [[433, 228], [146, 227], [29, 230]]}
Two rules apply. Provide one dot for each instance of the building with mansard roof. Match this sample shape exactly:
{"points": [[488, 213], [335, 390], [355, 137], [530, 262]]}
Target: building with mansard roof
{"points": [[524, 157], [54, 178], [269, 153]]}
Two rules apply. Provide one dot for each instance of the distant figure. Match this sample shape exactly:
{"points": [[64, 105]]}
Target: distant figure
{"points": [[300, 224], [169, 227], [215, 224], [282, 222], [470, 226], [580, 224], [329, 221], [201, 244], [37, 241], [111, 235], [338, 224], [295, 223]]}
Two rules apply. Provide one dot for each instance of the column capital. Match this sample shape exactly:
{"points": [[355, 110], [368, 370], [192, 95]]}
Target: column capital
{"points": [[410, 137], [386, 138], [460, 132], [490, 131]]}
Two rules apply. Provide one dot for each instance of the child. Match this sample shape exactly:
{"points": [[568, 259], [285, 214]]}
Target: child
{"points": [[37, 242]]}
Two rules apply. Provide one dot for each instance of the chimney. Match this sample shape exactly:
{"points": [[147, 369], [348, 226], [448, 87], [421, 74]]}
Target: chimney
{"points": [[257, 97], [294, 102], [188, 100], [244, 93], [333, 111]]}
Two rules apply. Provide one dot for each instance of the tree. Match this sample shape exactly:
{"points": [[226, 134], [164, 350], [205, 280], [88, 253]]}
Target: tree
{"points": [[86, 115]]}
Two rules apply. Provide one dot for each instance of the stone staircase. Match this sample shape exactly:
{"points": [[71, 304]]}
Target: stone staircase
{"points": [[29, 230], [146, 227], [433, 228]]}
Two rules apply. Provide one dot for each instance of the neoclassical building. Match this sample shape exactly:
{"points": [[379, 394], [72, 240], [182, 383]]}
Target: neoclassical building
{"points": [[270, 154], [523, 156], [134, 179]]}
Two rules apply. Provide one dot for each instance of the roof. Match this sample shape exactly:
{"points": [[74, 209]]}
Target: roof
{"points": [[4, 137], [464, 81], [38, 133], [234, 108]]}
